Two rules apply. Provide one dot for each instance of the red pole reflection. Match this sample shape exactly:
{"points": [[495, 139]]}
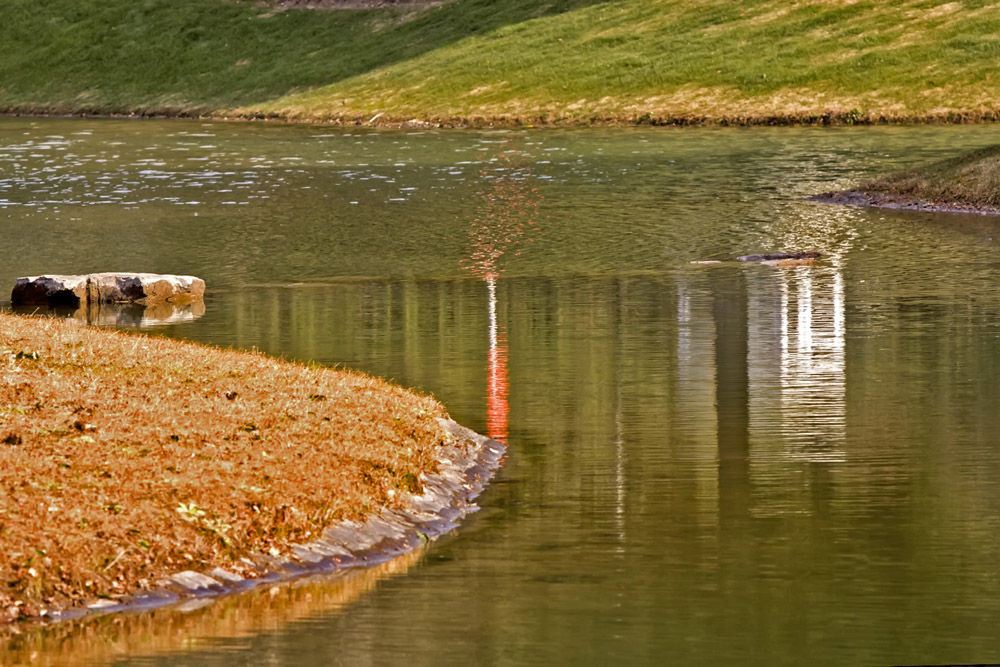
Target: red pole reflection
{"points": [[507, 210], [497, 410]]}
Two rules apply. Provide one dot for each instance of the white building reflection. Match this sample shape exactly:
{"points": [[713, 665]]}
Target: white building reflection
{"points": [[762, 378], [695, 369], [797, 361]]}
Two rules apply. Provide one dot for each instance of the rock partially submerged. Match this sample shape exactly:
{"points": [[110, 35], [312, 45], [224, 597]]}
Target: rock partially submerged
{"points": [[50, 291], [778, 256], [100, 288]]}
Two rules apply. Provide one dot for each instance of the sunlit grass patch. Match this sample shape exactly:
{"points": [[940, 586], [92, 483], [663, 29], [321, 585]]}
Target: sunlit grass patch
{"points": [[199, 56], [699, 59], [570, 61]]}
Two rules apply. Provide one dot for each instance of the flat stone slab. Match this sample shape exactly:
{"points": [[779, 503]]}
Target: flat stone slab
{"points": [[98, 288]]}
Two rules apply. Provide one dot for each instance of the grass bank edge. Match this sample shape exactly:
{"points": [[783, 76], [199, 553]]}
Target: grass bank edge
{"points": [[127, 458], [966, 183], [554, 119]]}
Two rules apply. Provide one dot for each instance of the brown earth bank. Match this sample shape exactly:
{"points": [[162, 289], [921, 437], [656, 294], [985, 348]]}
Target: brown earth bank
{"points": [[125, 459], [555, 119], [559, 119], [892, 201]]}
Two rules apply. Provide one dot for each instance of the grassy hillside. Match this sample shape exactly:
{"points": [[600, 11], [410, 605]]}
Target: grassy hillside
{"points": [[198, 56], [661, 60], [527, 60]]}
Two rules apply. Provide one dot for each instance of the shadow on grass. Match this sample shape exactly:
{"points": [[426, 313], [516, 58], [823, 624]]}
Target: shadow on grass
{"points": [[195, 55]]}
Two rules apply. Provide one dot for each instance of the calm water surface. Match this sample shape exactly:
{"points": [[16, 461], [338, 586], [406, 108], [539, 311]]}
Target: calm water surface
{"points": [[708, 463]]}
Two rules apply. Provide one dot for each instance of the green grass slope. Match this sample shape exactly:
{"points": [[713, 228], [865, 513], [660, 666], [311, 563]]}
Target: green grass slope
{"points": [[200, 56], [559, 61]]}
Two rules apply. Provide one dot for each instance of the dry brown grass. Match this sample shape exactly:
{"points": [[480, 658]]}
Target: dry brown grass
{"points": [[125, 458]]}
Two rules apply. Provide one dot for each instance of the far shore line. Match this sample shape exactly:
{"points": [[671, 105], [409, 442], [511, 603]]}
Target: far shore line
{"points": [[383, 120]]}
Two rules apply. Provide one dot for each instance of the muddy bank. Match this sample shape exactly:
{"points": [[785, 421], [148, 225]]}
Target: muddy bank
{"points": [[648, 119], [554, 119], [878, 200]]}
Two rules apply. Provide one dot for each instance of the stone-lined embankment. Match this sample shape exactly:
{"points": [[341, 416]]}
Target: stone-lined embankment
{"points": [[465, 465]]}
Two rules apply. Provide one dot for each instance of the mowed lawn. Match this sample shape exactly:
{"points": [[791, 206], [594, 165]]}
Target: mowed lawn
{"points": [[564, 61]]}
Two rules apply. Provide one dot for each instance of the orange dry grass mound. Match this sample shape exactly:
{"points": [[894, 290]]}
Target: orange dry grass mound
{"points": [[125, 458]]}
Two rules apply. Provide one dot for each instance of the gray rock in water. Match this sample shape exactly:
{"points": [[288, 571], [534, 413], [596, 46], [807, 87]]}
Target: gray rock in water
{"points": [[775, 256], [143, 287], [96, 288]]}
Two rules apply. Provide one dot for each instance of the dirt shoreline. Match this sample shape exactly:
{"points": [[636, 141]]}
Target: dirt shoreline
{"points": [[549, 120], [900, 202]]}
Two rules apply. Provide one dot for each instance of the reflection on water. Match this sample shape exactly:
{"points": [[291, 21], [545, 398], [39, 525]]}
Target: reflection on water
{"points": [[505, 217], [497, 410], [798, 358], [777, 374], [813, 382], [721, 463], [203, 623], [125, 315]]}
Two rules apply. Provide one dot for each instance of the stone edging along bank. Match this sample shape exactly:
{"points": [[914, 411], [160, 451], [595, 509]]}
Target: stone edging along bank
{"points": [[466, 464], [899, 202]]}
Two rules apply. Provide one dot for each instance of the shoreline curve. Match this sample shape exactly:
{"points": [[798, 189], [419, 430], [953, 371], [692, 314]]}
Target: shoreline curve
{"points": [[135, 468], [466, 464]]}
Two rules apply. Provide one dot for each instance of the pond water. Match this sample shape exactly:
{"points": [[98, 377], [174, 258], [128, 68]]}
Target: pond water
{"points": [[707, 464]]}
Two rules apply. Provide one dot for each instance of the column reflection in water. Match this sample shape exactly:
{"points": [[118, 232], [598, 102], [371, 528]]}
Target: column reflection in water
{"points": [[506, 212], [798, 383], [779, 367], [732, 393], [695, 365], [811, 378], [693, 421], [797, 345], [620, 477]]}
